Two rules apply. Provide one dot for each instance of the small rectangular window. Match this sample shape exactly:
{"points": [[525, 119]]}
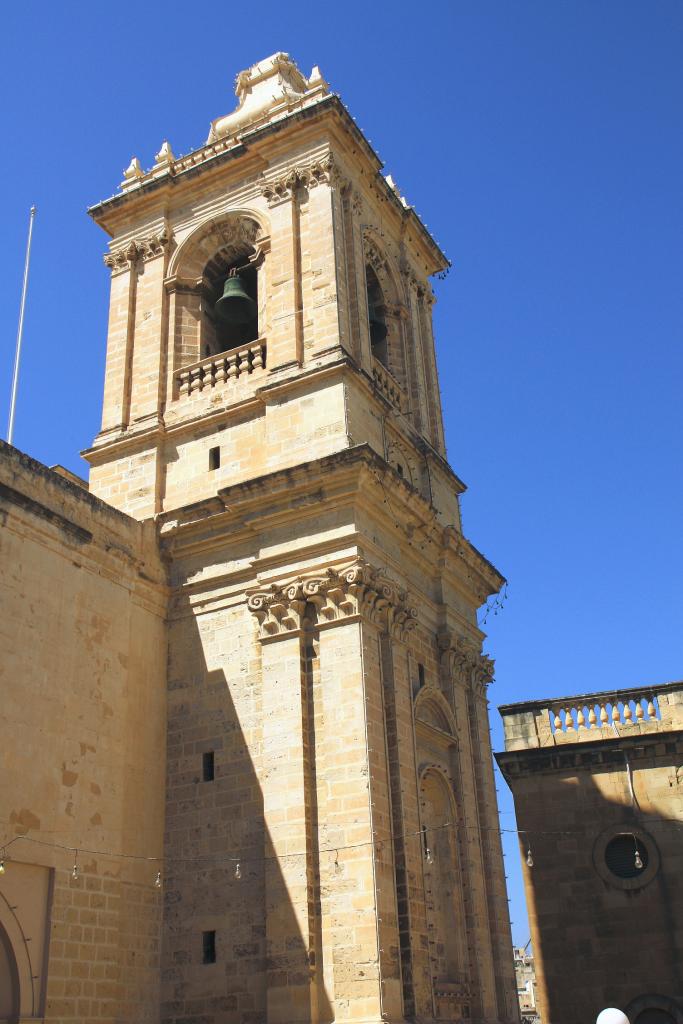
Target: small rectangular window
{"points": [[207, 766], [208, 947], [214, 458], [420, 675]]}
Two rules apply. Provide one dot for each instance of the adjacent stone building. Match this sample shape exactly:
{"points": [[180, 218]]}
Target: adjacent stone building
{"points": [[597, 781], [525, 974], [247, 657]]}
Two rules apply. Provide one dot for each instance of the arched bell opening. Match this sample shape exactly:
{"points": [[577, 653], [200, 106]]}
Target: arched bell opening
{"points": [[230, 302], [376, 316]]}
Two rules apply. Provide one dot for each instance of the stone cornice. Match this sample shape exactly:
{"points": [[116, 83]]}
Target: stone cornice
{"points": [[586, 757], [216, 154], [359, 591]]}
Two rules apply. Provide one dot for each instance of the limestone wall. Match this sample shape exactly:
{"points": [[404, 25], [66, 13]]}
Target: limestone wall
{"points": [[586, 792], [82, 746]]}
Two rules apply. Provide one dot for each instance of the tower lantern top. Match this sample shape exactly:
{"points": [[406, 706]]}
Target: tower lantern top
{"points": [[265, 90]]}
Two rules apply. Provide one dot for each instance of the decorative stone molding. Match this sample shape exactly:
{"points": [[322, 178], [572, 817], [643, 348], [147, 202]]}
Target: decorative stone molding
{"points": [[356, 201], [154, 245], [279, 190], [426, 295], [144, 249], [121, 259], [360, 590], [165, 154], [132, 174], [373, 255], [323, 171], [398, 310], [466, 662], [410, 278]]}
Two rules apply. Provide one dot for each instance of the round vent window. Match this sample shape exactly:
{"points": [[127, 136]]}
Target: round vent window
{"points": [[626, 856]]}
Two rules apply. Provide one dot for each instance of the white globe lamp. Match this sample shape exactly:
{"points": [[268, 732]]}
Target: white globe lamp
{"points": [[612, 1016]]}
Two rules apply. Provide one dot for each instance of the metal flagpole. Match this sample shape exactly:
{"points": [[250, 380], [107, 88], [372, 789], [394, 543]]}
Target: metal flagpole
{"points": [[20, 332]]}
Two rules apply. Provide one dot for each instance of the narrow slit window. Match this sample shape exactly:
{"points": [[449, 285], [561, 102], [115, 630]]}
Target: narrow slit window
{"points": [[208, 947], [214, 458], [208, 766], [420, 676]]}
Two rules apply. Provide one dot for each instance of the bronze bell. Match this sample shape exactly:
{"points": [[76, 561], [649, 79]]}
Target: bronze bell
{"points": [[235, 305]]}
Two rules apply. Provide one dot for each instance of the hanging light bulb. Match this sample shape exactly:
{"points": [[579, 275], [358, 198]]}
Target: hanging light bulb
{"points": [[529, 858], [238, 870], [429, 856], [337, 865], [2, 864], [74, 870], [157, 880], [638, 861]]}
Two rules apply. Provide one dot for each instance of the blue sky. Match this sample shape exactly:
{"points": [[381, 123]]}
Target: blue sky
{"points": [[541, 142]]}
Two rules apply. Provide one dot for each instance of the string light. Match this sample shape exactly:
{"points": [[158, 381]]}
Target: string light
{"points": [[337, 866]]}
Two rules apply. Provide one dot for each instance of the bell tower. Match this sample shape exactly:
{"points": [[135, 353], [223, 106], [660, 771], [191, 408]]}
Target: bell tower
{"points": [[271, 400]]}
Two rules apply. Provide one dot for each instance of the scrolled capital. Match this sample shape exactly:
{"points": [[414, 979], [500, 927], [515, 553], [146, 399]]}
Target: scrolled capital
{"points": [[358, 590]]}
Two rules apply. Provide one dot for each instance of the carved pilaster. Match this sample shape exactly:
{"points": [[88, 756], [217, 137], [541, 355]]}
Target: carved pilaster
{"points": [[360, 591]]}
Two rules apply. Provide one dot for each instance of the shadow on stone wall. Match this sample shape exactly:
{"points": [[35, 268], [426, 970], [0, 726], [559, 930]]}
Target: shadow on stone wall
{"points": [[211, 827], [606, 940]]}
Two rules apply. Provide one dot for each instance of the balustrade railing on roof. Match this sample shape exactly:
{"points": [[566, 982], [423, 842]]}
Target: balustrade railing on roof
{"points": [[591, 713], [598, 716]]}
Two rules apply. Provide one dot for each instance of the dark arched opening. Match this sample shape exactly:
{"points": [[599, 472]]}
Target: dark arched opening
{"points": [[231, 303], [376, 316]]}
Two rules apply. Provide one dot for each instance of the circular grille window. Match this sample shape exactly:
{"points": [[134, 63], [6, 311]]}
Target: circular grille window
{"points": [[621, 857]]}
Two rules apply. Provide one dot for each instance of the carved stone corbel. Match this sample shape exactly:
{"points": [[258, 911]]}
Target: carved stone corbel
{"points": [[123, 258], [279, 190], [154, 245], [126, 256]]}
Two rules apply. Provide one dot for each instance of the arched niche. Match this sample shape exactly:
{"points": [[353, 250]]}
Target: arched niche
{"points": [[433, 710], [234, 244], [443, 877], [386, 326]]}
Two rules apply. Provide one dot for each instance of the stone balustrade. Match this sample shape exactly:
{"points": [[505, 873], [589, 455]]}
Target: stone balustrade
{"points": [[216, 370], [592, 716], [389, 387]]}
